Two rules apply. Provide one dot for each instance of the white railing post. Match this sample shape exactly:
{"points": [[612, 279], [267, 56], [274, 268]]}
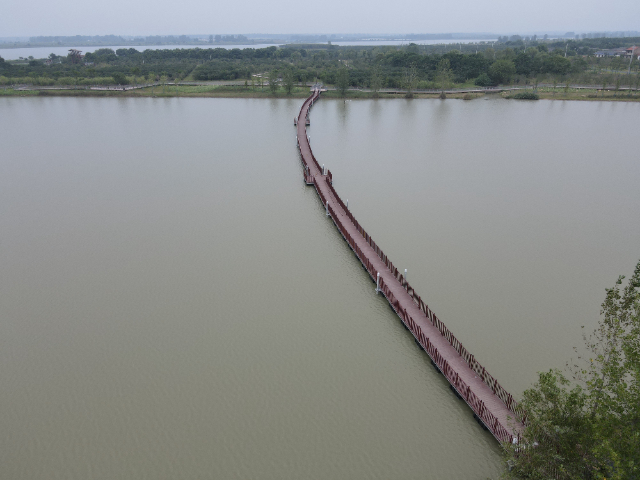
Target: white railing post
{"points": [[405, 276], [378, 283]]}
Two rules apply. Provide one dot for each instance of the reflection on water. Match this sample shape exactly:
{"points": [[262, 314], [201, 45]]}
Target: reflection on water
{"points": [[513, 217], [176, 304]]}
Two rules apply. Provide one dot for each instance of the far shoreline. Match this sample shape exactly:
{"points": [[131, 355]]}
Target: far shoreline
{"points": [[241, 91]]}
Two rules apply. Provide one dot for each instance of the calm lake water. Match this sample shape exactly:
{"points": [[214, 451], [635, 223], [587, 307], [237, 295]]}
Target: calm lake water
{"points": [[175, 304], [43, 52]]}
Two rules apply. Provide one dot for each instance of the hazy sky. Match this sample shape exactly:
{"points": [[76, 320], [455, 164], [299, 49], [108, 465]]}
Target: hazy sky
{"points": [[147, 17]]}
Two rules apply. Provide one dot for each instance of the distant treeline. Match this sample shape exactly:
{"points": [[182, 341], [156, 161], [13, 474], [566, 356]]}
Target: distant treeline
{"points": [[583, 46], [412, 66]]}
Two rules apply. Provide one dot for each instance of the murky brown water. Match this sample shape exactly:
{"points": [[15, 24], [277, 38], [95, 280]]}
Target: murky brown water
{"points": [[175, 304], [512, 217]]}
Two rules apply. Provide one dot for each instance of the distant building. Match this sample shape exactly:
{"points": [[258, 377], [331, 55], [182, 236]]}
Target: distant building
{"points": [[632, 51], [613, 52], [75, 56]]}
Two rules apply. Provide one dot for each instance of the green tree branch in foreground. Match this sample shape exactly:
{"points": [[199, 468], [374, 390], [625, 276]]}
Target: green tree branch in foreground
{"points": [[590, 428]]}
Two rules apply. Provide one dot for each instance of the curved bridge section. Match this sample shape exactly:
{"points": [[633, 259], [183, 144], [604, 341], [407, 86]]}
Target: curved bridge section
{"points": [[492, 405]]}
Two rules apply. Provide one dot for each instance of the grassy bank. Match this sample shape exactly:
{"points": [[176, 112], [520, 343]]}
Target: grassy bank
{"points": [[221, 91], [240, 91]]}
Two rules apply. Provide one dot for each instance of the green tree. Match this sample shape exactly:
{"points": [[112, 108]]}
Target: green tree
{"points": [[289, 80], [274, 81], [605, 82], [483, 80], [589, 428], [119, 78], [151, 78], [615, 64], [410, 80], [375, 80], [502, 71], [342, 81], [136, 72], [444, 75], [163, 79]]}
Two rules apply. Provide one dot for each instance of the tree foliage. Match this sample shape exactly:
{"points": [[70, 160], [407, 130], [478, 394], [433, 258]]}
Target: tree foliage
{"points": [[589, 428], [119, 79], [526, 95], [483, 80], [377, 67], [410, 80], [289, 80], [444, 75], [274, 81], [375, 81], [502, 71], [342, 81]]}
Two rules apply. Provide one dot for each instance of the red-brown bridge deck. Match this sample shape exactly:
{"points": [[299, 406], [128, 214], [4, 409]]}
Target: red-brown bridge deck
{"points": [[491, 404]]}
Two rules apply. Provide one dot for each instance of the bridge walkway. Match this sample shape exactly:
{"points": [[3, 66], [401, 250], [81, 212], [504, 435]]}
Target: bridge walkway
{"points": [[492, 405]]}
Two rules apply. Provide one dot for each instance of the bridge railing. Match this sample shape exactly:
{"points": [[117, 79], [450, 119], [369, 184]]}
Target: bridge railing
{"points": [[309, 179], [489, 380], [497, 389], [368, 265], [465, 392], [315, 162], [304, 112]]}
